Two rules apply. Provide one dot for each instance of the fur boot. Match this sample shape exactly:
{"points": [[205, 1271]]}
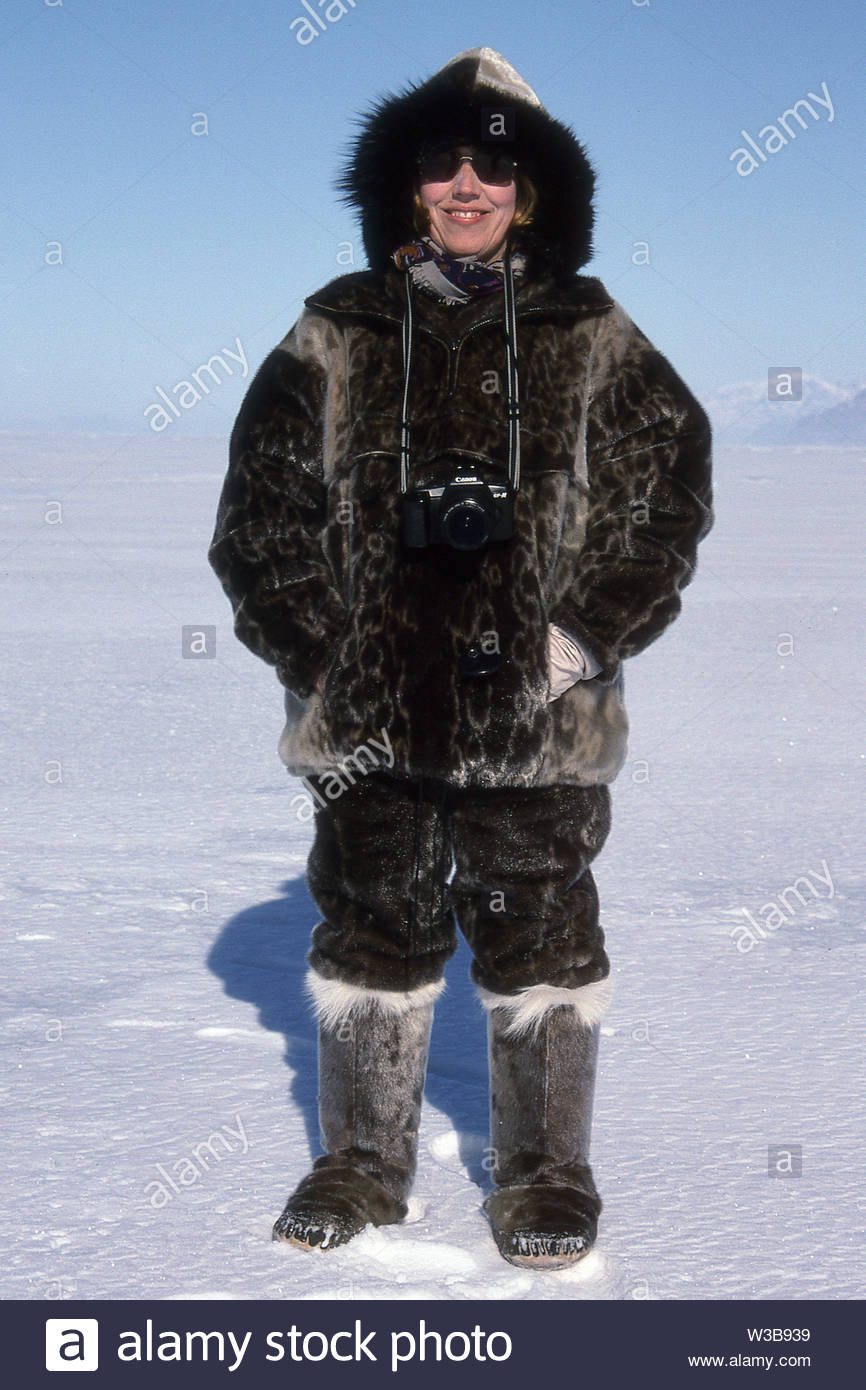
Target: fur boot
{"points": [[372, 1062], [544, 1209]]}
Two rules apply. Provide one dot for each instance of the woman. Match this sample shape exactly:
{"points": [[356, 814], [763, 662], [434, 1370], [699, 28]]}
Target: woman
{"points": [[461, 492]]}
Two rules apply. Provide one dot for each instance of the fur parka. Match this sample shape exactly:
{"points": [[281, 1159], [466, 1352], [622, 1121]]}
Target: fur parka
{"points": [[614, 495]]}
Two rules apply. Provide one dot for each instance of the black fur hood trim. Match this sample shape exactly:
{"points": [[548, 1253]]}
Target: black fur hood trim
{"points": [[454, 104]]}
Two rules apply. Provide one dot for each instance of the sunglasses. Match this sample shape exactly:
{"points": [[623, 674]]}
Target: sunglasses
{"points": [[491, 166]]}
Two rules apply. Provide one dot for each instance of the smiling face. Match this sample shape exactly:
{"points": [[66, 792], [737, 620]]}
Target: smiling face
{"points": [[468, 217]]}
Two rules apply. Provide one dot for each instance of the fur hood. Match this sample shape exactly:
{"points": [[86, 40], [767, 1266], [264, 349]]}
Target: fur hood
{"points": [[456, 103]]}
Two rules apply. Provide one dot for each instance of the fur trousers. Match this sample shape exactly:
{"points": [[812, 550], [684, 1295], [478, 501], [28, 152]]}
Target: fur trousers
{"points": [[522, 893]]}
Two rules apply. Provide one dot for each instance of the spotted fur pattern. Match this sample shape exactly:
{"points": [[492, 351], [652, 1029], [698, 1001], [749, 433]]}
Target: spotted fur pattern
{"points": [[614, 499]]}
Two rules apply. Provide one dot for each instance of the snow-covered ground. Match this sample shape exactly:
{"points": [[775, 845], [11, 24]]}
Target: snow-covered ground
{"points": [[155, 920]]}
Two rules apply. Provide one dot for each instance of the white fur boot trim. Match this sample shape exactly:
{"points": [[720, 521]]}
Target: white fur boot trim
{"points": [[528, 1007], [334, 1002]]}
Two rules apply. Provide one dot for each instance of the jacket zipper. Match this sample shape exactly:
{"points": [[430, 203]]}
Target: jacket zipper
{"points": [[457, 343], [453, 348]]}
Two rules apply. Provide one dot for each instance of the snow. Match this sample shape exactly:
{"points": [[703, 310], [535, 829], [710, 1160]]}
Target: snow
{"points": [[156, 920]]}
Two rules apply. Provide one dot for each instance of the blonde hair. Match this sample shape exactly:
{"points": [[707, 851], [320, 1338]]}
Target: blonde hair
{"points": [[525, 203]]}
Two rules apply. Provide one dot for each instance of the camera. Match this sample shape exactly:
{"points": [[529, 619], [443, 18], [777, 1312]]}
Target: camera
{"points": [[465, 513]]}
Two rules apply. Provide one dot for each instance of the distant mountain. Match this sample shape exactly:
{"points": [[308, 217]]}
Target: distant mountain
{"points": [[828, 413], [844, 423]]}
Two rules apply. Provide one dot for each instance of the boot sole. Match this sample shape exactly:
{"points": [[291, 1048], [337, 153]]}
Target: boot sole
{"points": [[305, 1242], [543, 1249], [304, 1234], [300, 1244], [545, 1261]]}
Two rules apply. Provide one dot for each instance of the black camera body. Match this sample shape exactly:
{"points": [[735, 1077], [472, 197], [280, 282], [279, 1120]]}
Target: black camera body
{"points": [[464, 513]]}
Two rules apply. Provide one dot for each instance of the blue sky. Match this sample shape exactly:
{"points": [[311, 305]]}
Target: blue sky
{"points": [[175, 245]]}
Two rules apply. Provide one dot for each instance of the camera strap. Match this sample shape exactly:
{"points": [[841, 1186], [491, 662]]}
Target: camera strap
{"points": [[512, 405], [405, 423]]}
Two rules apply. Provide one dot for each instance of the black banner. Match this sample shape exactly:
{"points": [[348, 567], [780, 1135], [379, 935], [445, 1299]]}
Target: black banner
{"points": [[307, 1344]]}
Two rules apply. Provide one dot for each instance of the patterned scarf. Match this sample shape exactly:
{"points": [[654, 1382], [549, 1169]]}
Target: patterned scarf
{"points": [[455, 279]]}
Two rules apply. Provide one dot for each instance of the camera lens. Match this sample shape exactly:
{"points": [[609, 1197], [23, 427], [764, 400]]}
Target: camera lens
{"points": [[465, 525]]}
